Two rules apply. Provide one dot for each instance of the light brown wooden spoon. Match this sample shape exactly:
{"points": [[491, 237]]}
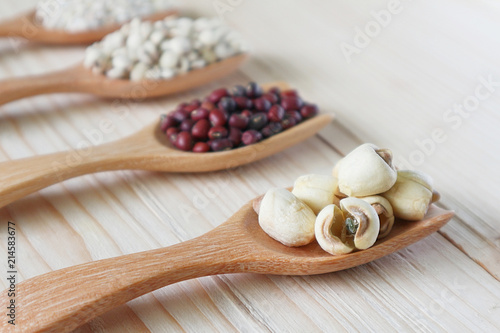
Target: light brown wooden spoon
{"points": [[147, 149], [25, 26], [62, 300], [81, 79]]}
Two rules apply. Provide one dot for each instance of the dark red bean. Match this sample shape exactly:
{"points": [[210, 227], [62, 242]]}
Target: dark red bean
{"points": [[262, 104], [184, 141], [235, 136], [289, 93], [288, 122], [294, 114], [200, 114], [275, 127], [186, 125], [171, 130], [200, 129], [221, 144], [271, 129], [275, 90], [246, 113], [201, 147], [238, 91], [243, 102], [276, 113], [309, 111], [257, 121], [167, 121], [271, 97], [217, 117], [227, 104], [196, 102], [266, 132], [172, 137], [216, 95], [181, 115], [181, 106], [208, 105], [217, 132], [291, 103], [253, 90], [251, 136], [238, 121], [190, 108]]}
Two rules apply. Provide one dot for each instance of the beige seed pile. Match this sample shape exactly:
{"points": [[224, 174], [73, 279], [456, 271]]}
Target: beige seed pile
{"points": [[162, 49], [83, 15]]}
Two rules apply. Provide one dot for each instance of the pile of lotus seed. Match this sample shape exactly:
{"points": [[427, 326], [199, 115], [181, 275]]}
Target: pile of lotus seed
{"points": [[349, 210], [162, 49], [84, 15]]}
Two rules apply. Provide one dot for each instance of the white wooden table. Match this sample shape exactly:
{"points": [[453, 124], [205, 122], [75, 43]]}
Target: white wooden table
{"points": [[424, 82]]}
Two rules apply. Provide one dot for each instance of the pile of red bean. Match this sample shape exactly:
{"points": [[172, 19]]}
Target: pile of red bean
{"points": [[233, 118]]}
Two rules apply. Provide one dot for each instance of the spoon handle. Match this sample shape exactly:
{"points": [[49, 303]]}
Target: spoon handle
{"points": [[59, 81], [16, 27], [62, 300], [18, 178]]}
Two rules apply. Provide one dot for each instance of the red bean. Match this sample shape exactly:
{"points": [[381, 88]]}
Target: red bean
{"points": [[291, 103], [200, 129], [250, 137], [167, 121], [276, 113], [186, 125], [201, 147], [227, 104], [217, 132], [254, 90], [257, 121], [271, 97], [289, 93], [294, 114], [309, 111], [208, 105], [184, 141], [216, 95], [235, 136], [190, 107], [243, 102], [217, 117], [246, 113], [262, 104], [288, 122], [238, 121], [200, 114], [221, 144], [181, 115]]}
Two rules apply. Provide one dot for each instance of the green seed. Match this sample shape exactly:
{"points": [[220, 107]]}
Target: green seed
{"points": [[351, 225]]}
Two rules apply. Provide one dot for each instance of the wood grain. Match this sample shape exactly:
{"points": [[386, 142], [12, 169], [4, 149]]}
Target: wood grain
{"points": [[393, 93]]}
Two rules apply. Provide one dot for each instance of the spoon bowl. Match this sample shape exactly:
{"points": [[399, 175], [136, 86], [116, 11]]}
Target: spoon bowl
{"points": [[82, 80], [65, 299], [26, 26], [148, 149]]}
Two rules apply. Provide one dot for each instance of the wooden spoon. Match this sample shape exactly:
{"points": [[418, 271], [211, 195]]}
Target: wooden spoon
{"points": [[81, 79], [25, 26], [147, 149], [62, 300]]}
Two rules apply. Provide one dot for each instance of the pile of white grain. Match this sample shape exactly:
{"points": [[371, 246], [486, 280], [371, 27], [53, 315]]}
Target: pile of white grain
{"points": [[162, 49], [82, 15]]}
